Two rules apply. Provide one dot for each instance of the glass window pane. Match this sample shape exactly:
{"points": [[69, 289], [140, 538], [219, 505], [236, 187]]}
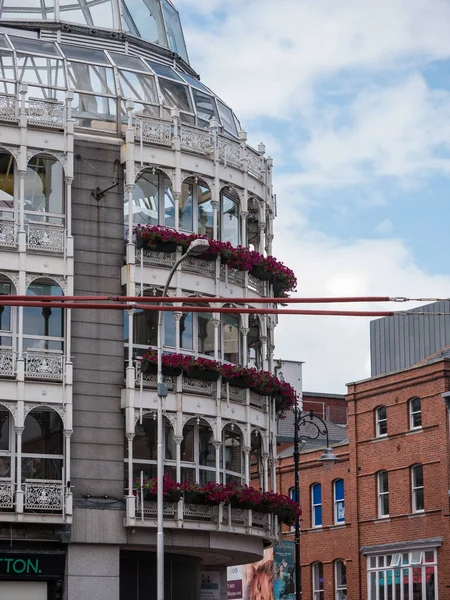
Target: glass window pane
{"points": [[206, 108], [207, 452], [186, 331], [5, 311], [169, 204], [87, 55], [205, 211], [174, 31], [145, 325], [5, 419], [95, 112], [144, 19], [175, 94], [34, 46], [42, 468], [226, 117], [129, 62], [186, 207], [231, 338], [44, 71], [91, 78], [317, 494], [232, 448], [7, 65], [145, 199], [138, 86], [420, 504], [188, 443], [145, 439], [205, 334], [317, 516], [43, 321], [418, 476], [164, 70], [170, 332], [3, 42], [43, 433], [195, 83], [230, 221], [99, 13], [417, 419], [44, 186], [339, 489], [6, 184]]}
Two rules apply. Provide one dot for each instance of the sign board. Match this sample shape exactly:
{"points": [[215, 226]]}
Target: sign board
{"points": [[31, 566], [284, 572], [210, 585], [235, 583]]}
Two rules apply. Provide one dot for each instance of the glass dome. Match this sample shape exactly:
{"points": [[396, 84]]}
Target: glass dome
{"points": [[155, 21]]}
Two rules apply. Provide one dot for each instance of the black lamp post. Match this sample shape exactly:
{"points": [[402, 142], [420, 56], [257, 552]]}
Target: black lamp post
{"points": [[328, 458]]}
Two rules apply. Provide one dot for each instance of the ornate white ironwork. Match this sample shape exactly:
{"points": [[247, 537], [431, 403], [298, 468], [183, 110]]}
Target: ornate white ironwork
{"points": [[8, 107], [47, 113], [6, 494], [196, 140], [150, 508], [29, 406], [256, 399], [255, 162], [196, 265], [256, 284], [260, 520], [154, 131], [150, 380], [234, 393], [44, 495], [6, 361], [7, 233], [200, 512], [42, 236], [229, 152], [60, 280], [43, 365], [232, 275], [156, 258], [239, 515], [205, 388]]}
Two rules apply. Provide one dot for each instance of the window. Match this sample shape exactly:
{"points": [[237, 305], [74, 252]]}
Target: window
{"points": [[339, 505], [230, 219], [316, 505], [340, 575], [5, 444], [231, 337], [44, 190], [403, 576], [317, 581], [43, 328], [381, 421], [415, 413], [383, 494], [418, 500], [42, 445]]}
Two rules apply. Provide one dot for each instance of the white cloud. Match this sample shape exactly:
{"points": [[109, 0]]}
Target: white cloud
{"points": [[336, 349], [384, 227]]}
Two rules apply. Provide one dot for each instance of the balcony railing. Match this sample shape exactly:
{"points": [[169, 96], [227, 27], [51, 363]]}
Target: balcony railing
{"points": [[42, 495], [221, 516], [154, 131], [194, 139], [6, 495], [6, 361], [43, 236], [47, 113], [7, 233], [44, 365], [8, 108]]}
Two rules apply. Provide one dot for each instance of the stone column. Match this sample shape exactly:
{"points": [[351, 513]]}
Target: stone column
{"points": [[19, 490], [130, 498], [217, 446], [68, 492], [247, 450], [178, 440]]}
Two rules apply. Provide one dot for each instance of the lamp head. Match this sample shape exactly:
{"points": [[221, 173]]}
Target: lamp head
{"points": [[197, 247], [328, 458]]}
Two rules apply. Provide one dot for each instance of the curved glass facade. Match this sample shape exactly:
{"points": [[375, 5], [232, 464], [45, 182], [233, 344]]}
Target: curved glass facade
{"points": [[155, 21]]}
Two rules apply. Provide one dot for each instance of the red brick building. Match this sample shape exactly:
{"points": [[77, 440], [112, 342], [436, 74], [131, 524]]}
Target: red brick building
{"points": [[376, 526]]}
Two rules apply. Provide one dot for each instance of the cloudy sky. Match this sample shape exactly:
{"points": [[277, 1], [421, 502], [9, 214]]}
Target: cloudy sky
{"points": [[352, 99]]}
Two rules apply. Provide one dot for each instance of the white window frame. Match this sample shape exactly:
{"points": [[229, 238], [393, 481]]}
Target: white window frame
{"points": [[385, 570], [381, 494], [340, 588], [378, 421], [337, 501], [414, 412], [314, 506], [415, 488], [317, 585]]}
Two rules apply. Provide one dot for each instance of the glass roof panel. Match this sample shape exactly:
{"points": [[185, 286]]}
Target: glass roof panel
{"points": [[40, 70], [226, 117], [174, 31], [31, 9], [143, 18], [6, 65], [34, 46], [175, 94], [164, 70], [99, 13], [138, 87], [195, 83], [85, 54], [206, 108], [129, 62], [3, 42], [91, 78]]}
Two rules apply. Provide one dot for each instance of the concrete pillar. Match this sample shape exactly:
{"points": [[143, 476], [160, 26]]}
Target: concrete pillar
{"points": [[92, 571]]}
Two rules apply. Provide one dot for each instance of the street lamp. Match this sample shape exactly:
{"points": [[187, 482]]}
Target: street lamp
{"points": [[328, 458], [196, 247]]}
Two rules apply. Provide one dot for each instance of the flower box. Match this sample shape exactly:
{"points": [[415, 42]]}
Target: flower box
{"points": [[209, 256], [202, 374], [239, 382], [172, 496], [149, 368], [194, 497], [159, 246], [261, 273]]}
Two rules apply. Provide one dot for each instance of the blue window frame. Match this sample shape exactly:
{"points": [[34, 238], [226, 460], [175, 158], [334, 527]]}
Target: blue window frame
{"points": [[316, 498], [339, 502]]}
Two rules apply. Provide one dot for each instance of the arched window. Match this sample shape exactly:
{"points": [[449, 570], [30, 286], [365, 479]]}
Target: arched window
{"points": [[415, 413], [145, 448], [153, 200], [229, 226], [256, 463], [231, 337], [6, 427], [340, 576], [339, 501], [417, 488], [6, 321], [44, 190], [381, 421], [204, 211], [7, 196], [254, 341], [316, 505], [198, 454], [205, 334], [317, 581], [195, 208], [231, 459], [43, 328], [42, 445]]}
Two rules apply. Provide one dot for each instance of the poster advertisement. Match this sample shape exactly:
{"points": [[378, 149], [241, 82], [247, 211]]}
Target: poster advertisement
{"points": [[284, 572], [210, 585], [235, 583]]}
